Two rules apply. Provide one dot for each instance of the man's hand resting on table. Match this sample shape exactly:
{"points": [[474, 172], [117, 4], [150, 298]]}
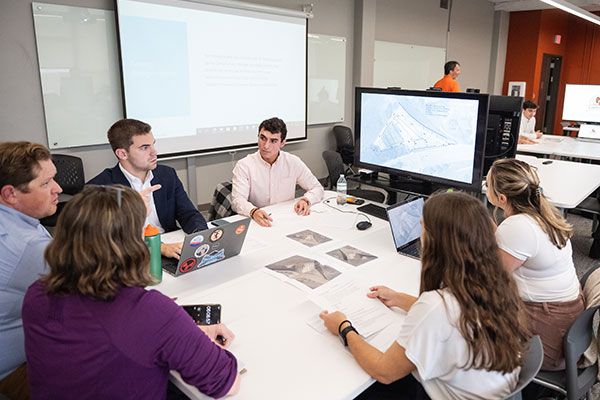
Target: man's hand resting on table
{"points": [[526, 140], [171, 250], [302, 207], [262, 218]]}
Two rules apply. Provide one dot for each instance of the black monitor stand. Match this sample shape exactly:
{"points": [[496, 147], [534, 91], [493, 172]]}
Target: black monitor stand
{"points": [[411, 184], [401, 184]]}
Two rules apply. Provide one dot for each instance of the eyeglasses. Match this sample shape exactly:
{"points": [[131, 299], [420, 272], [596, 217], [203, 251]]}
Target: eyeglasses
{"points": [[117, 189]]}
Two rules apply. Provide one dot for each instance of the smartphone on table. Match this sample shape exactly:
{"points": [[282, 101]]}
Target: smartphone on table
{"points": [[204, 314]]}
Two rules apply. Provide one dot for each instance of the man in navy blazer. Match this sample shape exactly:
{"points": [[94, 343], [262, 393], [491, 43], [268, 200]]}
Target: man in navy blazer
{"points": [[133, 144]]}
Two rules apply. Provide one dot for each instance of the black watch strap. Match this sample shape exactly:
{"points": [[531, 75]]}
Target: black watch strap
{"points": [[344, 333]]}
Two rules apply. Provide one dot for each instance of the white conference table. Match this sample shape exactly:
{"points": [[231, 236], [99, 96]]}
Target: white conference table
{"points": [[284, 356], [565, 183], [563, 146]]}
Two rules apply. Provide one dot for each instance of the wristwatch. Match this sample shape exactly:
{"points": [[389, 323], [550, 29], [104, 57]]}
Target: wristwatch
{"points": [[344, 332]]}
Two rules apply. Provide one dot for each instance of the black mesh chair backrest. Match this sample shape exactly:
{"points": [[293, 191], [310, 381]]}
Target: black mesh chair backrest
{"points": [[344, 143], [69, 173], [335, 166]]}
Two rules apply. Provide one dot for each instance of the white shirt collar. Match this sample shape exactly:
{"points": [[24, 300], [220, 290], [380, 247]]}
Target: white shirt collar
{"points": [[134, 181]]}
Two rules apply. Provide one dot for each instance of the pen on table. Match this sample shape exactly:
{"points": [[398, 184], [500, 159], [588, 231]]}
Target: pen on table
{"points": [[173, 298]]}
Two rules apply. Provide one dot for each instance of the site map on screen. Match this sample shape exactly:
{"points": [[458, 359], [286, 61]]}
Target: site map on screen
{"points": [[424, 135]]}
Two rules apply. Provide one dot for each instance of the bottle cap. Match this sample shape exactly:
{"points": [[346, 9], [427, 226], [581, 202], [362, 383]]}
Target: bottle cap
{"points": [[150, 230]]}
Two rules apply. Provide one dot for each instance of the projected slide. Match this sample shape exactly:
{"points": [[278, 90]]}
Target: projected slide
{"points": [[582, 103], [205, 76], [425, 135]]}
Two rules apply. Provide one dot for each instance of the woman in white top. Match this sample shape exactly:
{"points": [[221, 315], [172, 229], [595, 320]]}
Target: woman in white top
{"points": [[535, 247], [463, 336]]}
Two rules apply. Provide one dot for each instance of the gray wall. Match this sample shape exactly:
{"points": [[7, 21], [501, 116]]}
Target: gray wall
{"points": [[476, 39], [468, 39]]}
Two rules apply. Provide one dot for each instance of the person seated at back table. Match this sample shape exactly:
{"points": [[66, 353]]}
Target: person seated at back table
{"points": [[133, 144], [28, 192], [536, 249], [92, 330], [527, 127], [464, 335], [270, 175]]}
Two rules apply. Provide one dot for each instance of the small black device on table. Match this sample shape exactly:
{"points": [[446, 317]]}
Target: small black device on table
{"points": [[204, 314]]}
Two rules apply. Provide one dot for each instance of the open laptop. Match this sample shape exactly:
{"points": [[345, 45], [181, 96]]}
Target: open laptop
{"points": [[405, 222], [208, 246], [589, 132]]}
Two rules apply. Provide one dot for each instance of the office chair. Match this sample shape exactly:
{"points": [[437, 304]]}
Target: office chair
{"points": [[220, 205], [574, 382], [532, 365], [70, 177], [591, 205], [344, 142], [335, 167]]}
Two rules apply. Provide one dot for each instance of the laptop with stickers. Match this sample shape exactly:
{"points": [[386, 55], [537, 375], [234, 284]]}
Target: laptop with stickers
{"points": [[208, 247], [405, 222]]}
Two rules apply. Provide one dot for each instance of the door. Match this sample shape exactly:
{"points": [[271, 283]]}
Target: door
{"points": [[549, 82]]}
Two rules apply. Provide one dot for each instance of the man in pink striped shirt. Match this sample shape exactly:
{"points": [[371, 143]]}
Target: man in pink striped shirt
{"points": [[270, 175]]}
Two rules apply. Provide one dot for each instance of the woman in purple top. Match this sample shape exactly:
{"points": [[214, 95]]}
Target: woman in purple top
{"points": [[93, 331]]}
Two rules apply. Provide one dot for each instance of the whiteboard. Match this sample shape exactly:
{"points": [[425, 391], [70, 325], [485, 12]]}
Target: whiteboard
{"points": [[407, 66], [326, 78], [79, 71]]}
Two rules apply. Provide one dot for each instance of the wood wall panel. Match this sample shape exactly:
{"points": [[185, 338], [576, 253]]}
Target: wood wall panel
{"points": [[531, 34]]}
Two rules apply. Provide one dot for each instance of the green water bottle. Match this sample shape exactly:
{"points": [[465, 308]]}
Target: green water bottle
{"points": [[152, 238]]}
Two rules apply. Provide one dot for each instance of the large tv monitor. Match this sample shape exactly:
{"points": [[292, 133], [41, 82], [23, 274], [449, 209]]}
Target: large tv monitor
{"points": [[436, 137], [582, 103], [503, 123]]}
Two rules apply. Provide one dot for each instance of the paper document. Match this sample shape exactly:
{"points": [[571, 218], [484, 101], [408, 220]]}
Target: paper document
{"points": [[302, 272], [348, 295]]}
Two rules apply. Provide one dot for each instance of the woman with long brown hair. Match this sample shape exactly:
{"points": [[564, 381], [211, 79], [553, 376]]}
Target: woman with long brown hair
{"points": [[464, 335], [535, 245], [92, 330]]}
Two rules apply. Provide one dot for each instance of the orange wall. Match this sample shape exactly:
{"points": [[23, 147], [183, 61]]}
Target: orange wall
{"points": [[531, 34], [521, 48]]}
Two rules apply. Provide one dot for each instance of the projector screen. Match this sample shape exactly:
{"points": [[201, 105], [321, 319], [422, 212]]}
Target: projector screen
{"points": [[582, 103], [205, 76]]}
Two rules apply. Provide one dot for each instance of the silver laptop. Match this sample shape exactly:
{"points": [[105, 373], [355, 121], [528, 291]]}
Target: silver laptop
{"points": [[208, 246], [589, 132], [405, 222]]}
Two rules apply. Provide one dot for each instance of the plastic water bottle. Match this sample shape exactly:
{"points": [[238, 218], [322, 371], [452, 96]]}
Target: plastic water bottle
{"points": [[342, 188], [152, 239]]}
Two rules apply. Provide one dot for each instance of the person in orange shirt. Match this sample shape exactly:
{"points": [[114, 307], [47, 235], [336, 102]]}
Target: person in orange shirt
{"points": [[448, 82]]}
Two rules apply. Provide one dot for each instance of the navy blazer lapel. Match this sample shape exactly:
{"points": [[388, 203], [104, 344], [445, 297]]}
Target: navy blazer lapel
{"points": [[160, 196], [119, 177]]}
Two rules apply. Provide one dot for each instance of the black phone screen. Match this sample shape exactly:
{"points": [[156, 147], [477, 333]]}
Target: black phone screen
{"points": [[204, 314]]}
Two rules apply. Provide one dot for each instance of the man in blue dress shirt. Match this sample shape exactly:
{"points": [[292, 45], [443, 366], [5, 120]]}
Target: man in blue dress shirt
{"points": [[28, 192], [133, 144]]}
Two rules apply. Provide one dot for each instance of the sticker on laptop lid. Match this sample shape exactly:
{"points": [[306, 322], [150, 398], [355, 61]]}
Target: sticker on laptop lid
{"points": [[216, 235], [240, 229], [196, 240], [213, 257], [201, 251], [187, 265]]}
